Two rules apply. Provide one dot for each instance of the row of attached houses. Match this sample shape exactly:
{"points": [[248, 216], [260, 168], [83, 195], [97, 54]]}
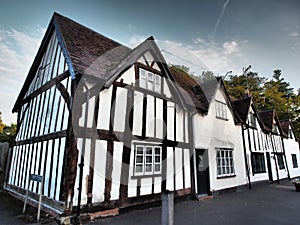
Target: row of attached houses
{"points": [[109, 127]]}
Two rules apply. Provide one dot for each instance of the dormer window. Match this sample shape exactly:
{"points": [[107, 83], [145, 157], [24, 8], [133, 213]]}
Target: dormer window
{"points": [[221, 110], [149, 80], [252, 120]]}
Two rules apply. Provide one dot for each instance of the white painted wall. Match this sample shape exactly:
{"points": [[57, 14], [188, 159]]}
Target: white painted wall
{"points": [[292, 147], [211, 133]]}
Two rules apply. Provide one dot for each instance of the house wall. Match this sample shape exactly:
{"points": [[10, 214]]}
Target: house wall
{"points": [[292, 147], [42, 124], [155, 119], [255, 143], [211, 133]]}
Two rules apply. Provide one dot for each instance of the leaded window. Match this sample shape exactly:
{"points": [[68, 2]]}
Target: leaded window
{"points": [[149, 80], [258, 162], [225, 164], [147, 160], [221, 110], [295, 162]]}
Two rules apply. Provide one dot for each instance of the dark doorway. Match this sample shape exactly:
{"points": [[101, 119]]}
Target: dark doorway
{"points": [[202, 167], [269, 166]]}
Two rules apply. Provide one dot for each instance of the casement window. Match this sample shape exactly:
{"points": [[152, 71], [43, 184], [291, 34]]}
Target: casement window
{"points": [[252, 120], [280, 161], [295, 162], [147, 160], [221, 110], [225, 165], [149, 80], [258, 162]]}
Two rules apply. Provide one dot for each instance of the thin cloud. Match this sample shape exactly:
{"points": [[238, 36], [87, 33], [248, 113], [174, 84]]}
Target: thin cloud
{"points": [[219, 19], [202, 55], [17, 51]]}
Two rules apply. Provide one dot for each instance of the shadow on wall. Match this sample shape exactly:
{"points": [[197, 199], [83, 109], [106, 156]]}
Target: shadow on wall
{"points": [[4, 148]]}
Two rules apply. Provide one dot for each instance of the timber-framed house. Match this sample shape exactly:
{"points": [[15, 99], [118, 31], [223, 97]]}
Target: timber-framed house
{"points": [[110, 127], [106, 126]]}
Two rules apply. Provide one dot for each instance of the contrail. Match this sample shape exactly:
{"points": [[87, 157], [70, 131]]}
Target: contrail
{"points": [[220, 17]]}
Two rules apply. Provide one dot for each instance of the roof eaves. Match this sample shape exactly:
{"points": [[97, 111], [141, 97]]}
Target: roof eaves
{"points": [[64, 47]]}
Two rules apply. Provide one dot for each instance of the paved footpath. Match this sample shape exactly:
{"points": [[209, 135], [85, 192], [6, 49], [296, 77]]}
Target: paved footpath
{"points": [[275, 204]]}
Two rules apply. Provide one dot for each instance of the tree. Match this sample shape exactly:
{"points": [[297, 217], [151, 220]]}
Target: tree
{"points": [[2, 125], [7, 133], [268, 94], [207, 76]]}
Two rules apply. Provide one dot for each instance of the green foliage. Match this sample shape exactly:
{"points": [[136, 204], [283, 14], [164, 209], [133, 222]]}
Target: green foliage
{"points": [[7, 133], [180, 68], [207, 76], [268, 94], [2, 125]]}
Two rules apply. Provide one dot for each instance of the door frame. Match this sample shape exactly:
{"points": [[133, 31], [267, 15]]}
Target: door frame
{"points": [[201, 176]]}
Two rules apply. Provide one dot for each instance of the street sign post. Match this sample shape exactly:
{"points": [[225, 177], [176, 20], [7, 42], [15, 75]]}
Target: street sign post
{"points": [[39, 179]]}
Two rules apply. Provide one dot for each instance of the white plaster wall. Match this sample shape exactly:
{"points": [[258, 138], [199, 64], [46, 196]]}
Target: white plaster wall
{"points": [[128, 76], [120, 109], [104, 109], [211, 133], [137, 113], [170, 170], [99, 171], [116, 171], [292, 147]]}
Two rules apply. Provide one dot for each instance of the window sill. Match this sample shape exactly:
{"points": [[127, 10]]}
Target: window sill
{"points": [[259, 172], [225, 119], [145, 176], [224, 177]]}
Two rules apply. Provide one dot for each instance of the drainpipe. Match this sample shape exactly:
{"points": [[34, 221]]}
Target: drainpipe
{"points": [[192, 147], [277, 173], [246, 162], [287, 168], [81, 164]]}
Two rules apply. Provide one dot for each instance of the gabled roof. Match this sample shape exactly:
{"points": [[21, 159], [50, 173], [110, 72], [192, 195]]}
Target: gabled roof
{"points": [[286, 124], [191, 91], [81, 47], [90, 53], [268, 116], [242, 108]]}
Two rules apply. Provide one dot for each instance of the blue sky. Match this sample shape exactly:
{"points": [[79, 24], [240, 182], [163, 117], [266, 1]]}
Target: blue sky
{"points": [[216, 35]]}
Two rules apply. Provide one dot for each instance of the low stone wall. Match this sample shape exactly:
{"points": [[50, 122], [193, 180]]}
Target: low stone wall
{"points": [[4, 148]]}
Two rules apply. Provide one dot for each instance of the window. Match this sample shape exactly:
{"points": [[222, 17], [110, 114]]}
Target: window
{"points": [[280, 160], [225, 166], [252, 120], [258, 162], [275, 129], [147, 160], [294, 159], [150, 81], [290, 134], [221, 110]]}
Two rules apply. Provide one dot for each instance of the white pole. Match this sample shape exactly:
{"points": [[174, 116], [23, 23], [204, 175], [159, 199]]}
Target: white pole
{"points": [[40, 200]]}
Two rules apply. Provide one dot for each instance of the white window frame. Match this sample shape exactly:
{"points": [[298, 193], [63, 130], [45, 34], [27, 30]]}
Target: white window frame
{"points": [[149, 80], [221, 110], [149, 162], [252, 120], [225, 162]]}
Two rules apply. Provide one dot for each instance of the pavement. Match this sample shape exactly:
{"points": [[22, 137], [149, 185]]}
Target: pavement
{"points": [[274, 204], [265, 204]]}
